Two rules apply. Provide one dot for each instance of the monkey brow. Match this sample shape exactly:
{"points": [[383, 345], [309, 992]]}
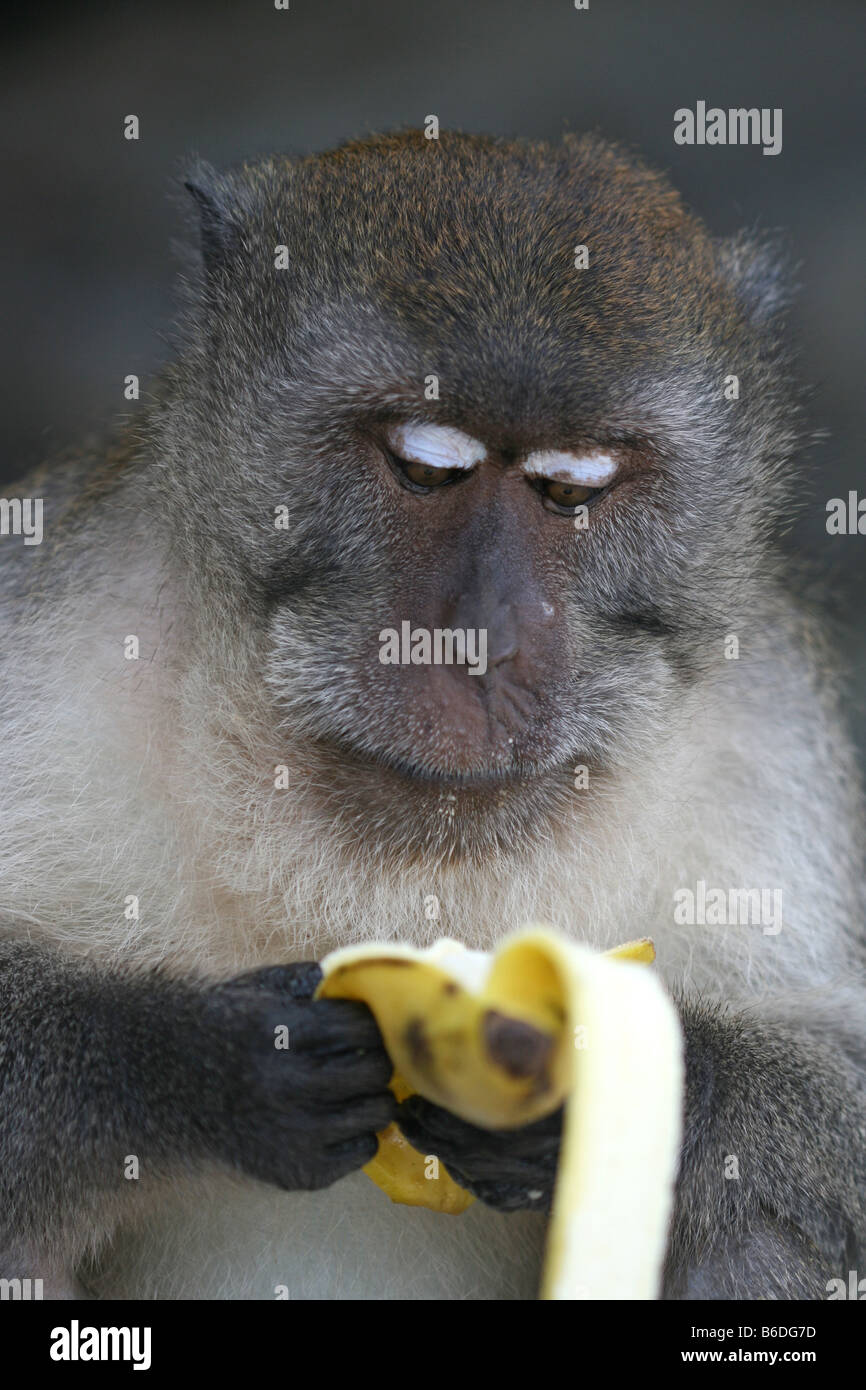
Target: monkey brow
{"points": [[439, 445]]}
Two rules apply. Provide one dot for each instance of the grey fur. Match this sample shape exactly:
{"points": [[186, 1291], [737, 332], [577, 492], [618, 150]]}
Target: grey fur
{"points": [[154, 777]]}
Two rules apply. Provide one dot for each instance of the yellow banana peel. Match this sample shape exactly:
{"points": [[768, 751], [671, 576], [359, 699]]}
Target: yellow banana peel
{"points": [[505, 1039]]}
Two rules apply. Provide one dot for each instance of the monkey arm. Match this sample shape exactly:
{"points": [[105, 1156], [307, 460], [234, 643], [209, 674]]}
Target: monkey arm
{"points": [[771, 1197], [111, 1081], [97, 1073]]}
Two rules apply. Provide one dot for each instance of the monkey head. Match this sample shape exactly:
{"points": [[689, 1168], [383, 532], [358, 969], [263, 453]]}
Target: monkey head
{"points": [[483, 388]]}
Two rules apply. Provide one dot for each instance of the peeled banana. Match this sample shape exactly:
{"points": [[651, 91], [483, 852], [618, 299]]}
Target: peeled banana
{"points": [[505, 1039]]}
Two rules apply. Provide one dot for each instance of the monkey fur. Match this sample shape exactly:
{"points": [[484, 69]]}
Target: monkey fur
{"points": [[158, 878]]}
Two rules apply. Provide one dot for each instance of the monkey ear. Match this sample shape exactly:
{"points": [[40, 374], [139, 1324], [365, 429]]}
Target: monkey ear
{"points": [[220, 206], [758, 271]]}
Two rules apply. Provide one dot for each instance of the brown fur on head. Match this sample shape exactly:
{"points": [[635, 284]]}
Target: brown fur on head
{"points": [[409, 259]]}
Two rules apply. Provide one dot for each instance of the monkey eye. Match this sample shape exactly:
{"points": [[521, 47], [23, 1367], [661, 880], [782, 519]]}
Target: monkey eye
{"points": [[568, 480], [427, 456], [566, 496], [425, 475]]}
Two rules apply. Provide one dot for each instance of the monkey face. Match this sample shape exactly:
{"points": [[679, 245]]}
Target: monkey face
{"points": [[519, 510], [453, 630], [466, 660]]}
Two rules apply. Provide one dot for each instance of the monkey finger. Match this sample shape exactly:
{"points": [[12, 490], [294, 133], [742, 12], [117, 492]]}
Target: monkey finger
{"points": [[421, 1117], [297, 980], [509, 1196], [348, 1155], [300, 980], [519, 1156], [330, 1027], [347, 1075], [489, 1171], [363, 1113]]}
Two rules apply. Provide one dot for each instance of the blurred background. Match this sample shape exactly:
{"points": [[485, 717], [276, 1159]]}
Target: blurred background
{"points": [[88, 220]]}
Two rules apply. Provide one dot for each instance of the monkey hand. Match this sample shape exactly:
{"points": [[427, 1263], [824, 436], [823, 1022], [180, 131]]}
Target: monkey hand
{"points": [[305, 1088], [510, 1170]]}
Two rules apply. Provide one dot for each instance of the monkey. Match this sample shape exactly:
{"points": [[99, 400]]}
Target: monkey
{"points": [[474, 385]]}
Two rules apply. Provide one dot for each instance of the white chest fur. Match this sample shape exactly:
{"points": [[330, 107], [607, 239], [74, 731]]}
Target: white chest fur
{"points": [[226, 1238]]}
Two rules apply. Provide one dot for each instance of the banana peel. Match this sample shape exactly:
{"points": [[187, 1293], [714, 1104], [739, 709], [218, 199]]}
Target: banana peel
{"points": [[503, 1040]]}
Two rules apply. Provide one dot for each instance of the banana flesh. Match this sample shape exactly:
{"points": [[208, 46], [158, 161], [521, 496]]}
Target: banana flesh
{"points": [[503, 1040]]}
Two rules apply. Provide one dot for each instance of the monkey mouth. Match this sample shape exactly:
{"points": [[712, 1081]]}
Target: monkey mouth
{"points": [[477, 779], [485, 778]]}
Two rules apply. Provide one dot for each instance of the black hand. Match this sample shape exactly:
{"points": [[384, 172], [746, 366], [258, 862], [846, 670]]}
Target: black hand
{"points": [[508, 1169], [305, 1115]]}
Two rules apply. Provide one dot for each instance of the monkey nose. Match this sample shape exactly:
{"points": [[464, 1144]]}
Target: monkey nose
{"points": [[511, 629], [506, 649], [503, 635]]}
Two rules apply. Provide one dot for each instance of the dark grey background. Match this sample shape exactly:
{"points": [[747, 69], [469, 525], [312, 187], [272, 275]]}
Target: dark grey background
{"points": [[86, 262]]}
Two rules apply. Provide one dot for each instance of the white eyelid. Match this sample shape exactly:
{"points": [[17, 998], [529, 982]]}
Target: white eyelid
{"points": [[587, 470], [437, 445]]}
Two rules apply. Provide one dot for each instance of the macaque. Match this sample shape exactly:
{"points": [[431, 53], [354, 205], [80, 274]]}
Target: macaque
{"points": [[399, 397]]}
